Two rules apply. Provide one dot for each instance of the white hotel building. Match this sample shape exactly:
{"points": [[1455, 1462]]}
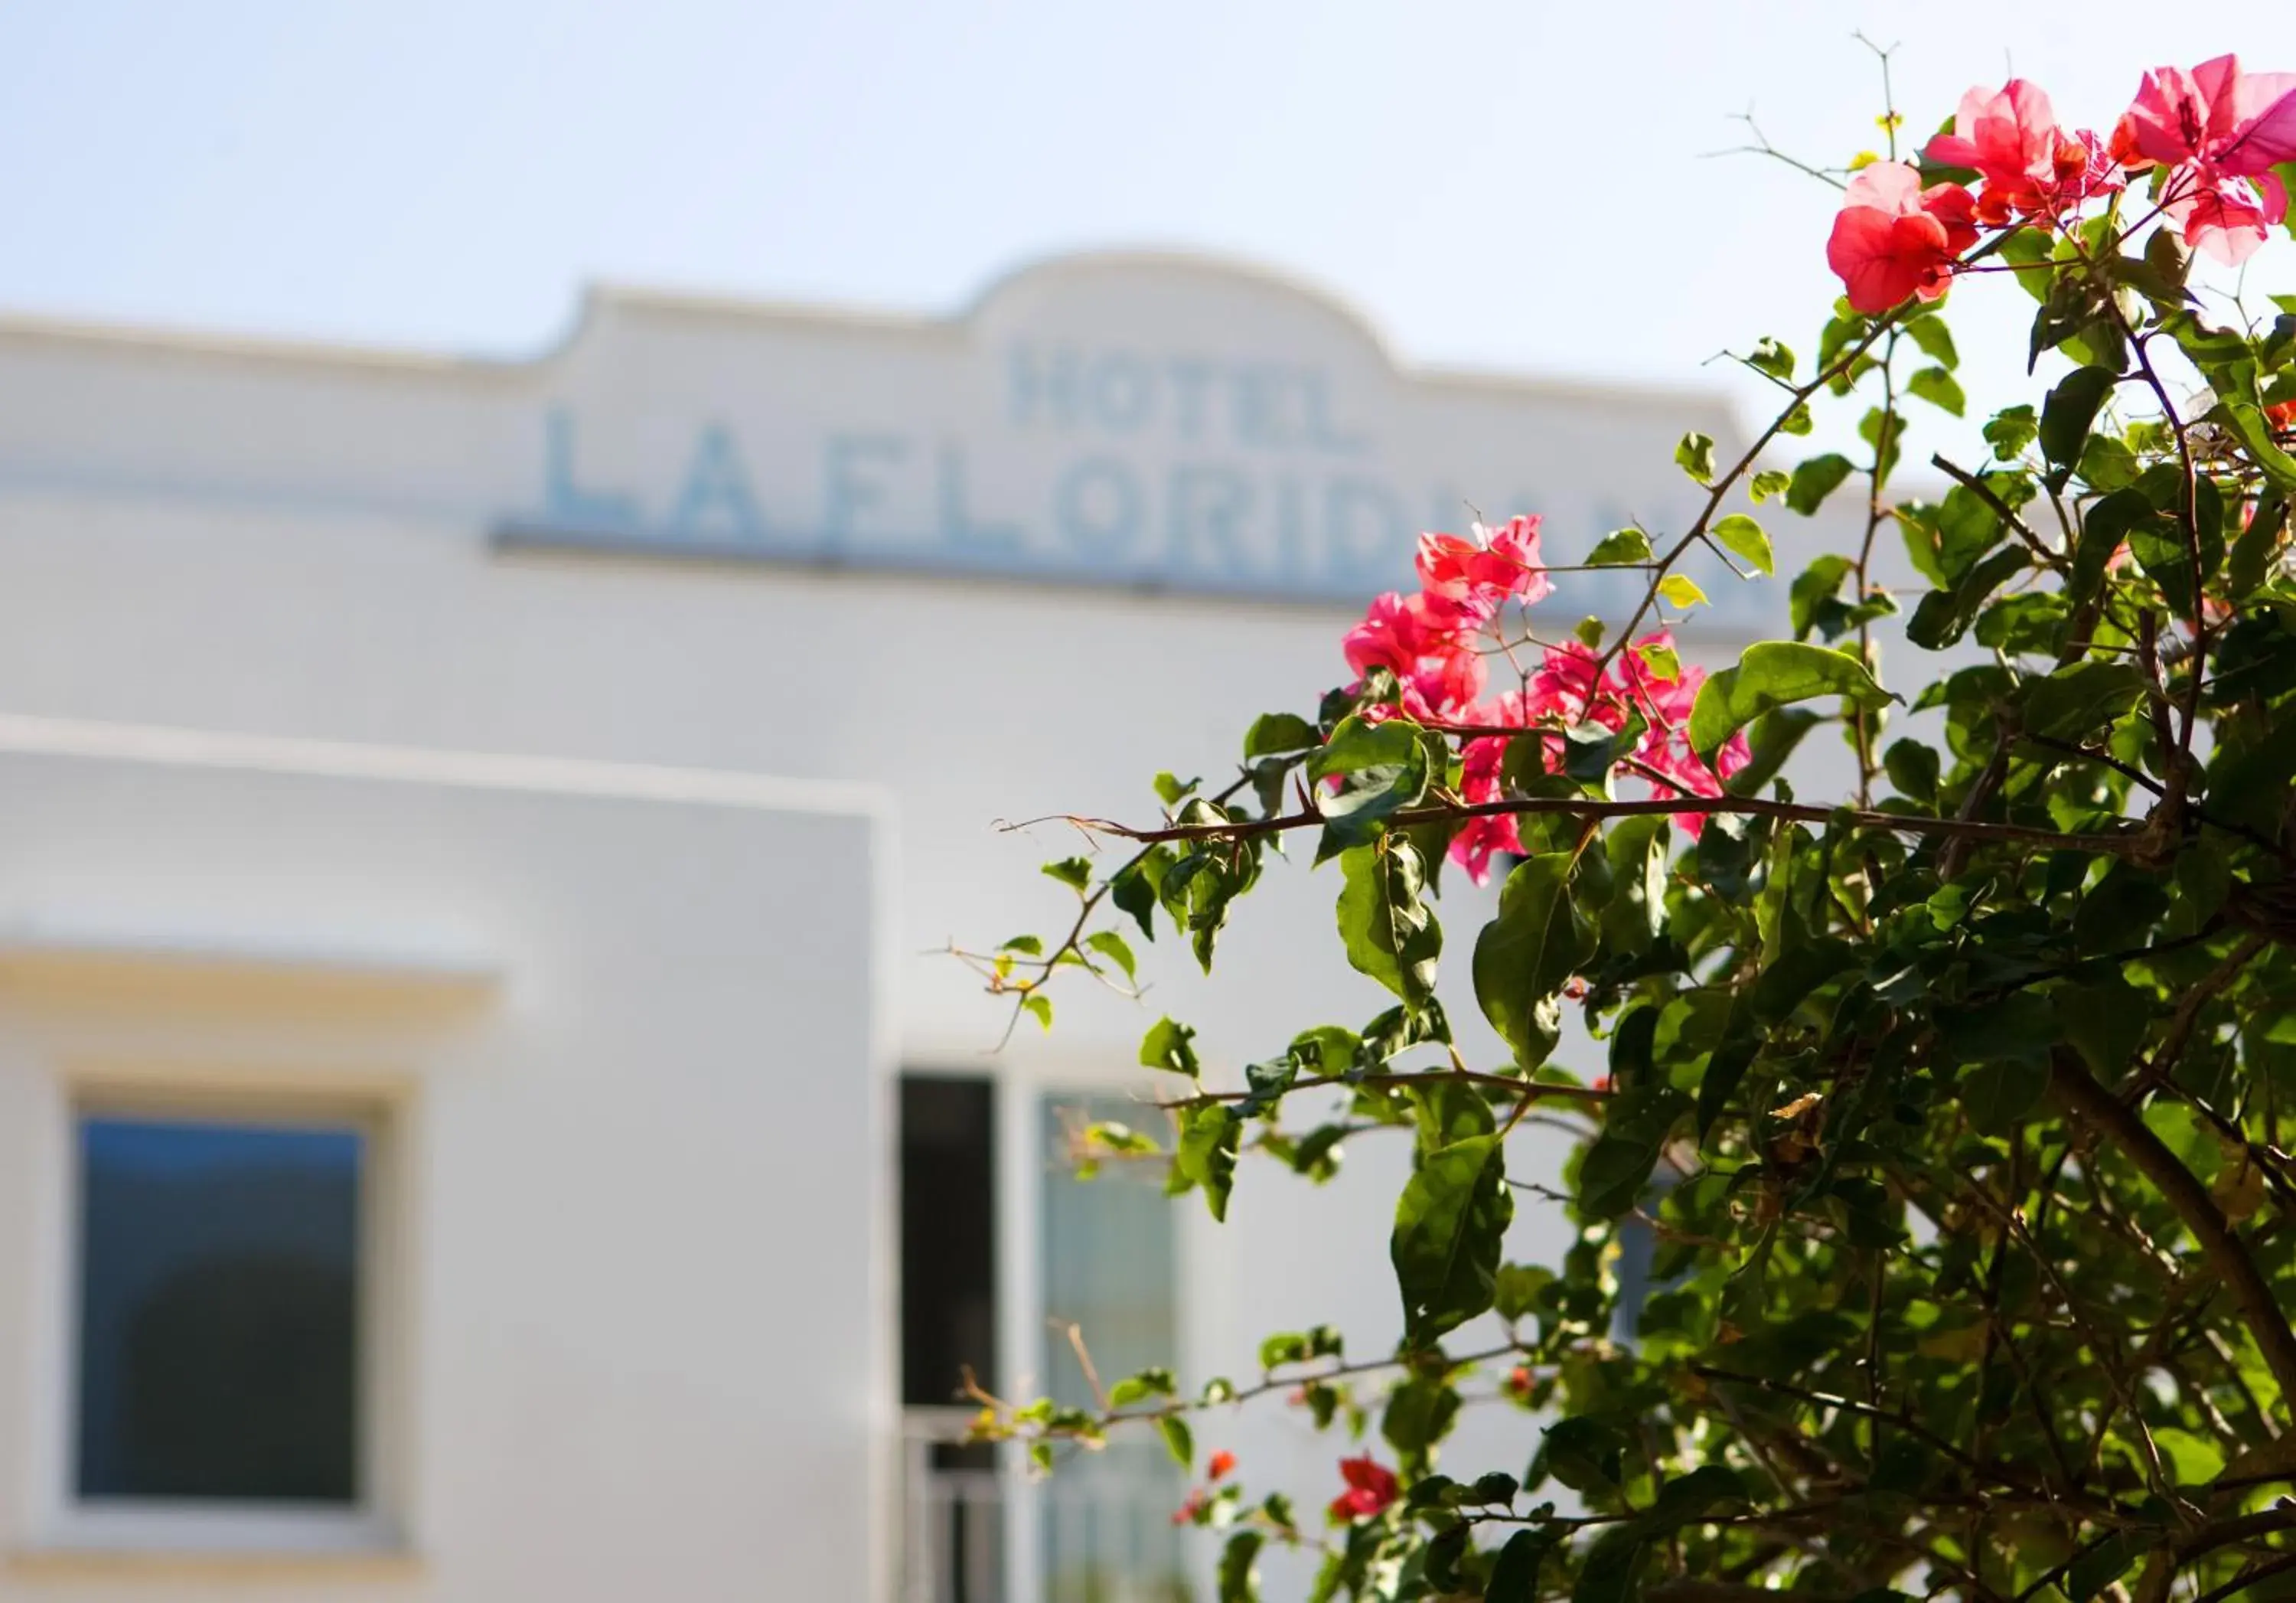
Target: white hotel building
{"points": [[479, 1116]]}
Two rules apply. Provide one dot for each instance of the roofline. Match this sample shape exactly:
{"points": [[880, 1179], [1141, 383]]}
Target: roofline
{"points": [[30, 735], [599, 299]]}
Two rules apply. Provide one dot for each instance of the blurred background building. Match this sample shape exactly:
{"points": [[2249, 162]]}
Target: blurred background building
{"points": [[480, 1113]]}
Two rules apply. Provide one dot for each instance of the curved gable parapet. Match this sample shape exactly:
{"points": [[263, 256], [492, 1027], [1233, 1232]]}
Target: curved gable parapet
{"points": [[1142, 419]]}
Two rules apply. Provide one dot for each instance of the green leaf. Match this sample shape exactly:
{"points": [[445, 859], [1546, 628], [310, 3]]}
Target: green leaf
{"points": [[1936, 386], [2104, 530], [2027, 249], [1768, 485], [1635, 1125], [1725, 1070], [1636, 848], [1935, 340], [1040, 1009], [1179, 1441], [2109, 1560], [1519, 1285], [2021, 1025], [2245, 423], [1664, 662], [1074, 872], [1815, 588], [1997, 1096], [1773, 358], [1449, 1225], [2075, 700], [1775, 673], [1619, 546], [2193, 1459], [1680, 590], [1209, 1134], [1239, 1576], [1170, 788], [1279, 733], [1134, 888], [1688, 1499], [2011, 430], [1815, 479], [2107, 464], [1912, 770], [1171, 1046], [2105, 1022], [1527, 953], [1110, 945], [1744, 535], [1138, 1388], [1382, 768], [1419, 1414], [1695, 456], [1514, 1572], [1384, 920], [1944, 616], [1771, 740], [2066, 417]]}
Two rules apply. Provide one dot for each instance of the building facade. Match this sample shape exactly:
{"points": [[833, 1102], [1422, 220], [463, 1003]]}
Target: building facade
{"points": [[481, 1115]]}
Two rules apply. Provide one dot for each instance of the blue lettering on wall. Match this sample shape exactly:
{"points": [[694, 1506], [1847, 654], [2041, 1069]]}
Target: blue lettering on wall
{"points": [[1042, 387], [564, 501], [716, 502], [958, 531], [1099, 506], [1256, 399], [1256, 405], [1367, 537], [1123, 392], [1206, 506], [1191, 379], [1325, 434], [1292, 530], [850, 482]]}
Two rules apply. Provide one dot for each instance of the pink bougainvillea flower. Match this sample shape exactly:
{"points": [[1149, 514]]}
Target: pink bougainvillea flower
{"points": [[1477, 574], [2227, 217], [1188, 1511], [1371, 1489], [1218, 1464], [2220, 131], [2240, 123], [1429, 645], [1893, 238], [1562, 692], [2006, 135]]}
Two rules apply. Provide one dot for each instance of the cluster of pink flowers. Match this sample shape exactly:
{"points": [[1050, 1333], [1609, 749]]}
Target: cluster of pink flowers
{"points": [[2217, 133], [1434, 642]]}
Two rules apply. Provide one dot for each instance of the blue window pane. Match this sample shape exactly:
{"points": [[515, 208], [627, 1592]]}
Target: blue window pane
{"points": [[218, 1310]]}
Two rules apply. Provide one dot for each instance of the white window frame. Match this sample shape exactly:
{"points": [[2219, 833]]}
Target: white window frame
{"points": [[192, 1527]]}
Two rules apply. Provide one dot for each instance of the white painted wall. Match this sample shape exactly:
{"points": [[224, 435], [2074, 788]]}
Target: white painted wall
{"points": [[632, 1350], [304, 544]]}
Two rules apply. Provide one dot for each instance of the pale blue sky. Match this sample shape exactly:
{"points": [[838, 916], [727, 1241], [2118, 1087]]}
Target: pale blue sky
{"points": [[1498, 183]]}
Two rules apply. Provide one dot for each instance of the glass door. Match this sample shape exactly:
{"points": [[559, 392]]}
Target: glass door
{"points": [[1109, 1274]]}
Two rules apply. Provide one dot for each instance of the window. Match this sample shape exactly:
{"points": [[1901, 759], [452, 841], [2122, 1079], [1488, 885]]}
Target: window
{"points": [[221, 1285], [1109, 1270]]}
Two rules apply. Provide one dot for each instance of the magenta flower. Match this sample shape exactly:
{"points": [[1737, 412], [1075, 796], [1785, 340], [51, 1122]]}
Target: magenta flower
{"points": [[2220, 131], [1893, 238]]}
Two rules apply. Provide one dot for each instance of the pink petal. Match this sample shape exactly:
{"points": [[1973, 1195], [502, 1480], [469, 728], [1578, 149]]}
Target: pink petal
{"points": [[2268, 136]]}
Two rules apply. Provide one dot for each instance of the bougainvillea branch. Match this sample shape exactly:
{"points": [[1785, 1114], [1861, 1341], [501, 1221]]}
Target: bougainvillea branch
{"points": [[1945, 1087]]}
